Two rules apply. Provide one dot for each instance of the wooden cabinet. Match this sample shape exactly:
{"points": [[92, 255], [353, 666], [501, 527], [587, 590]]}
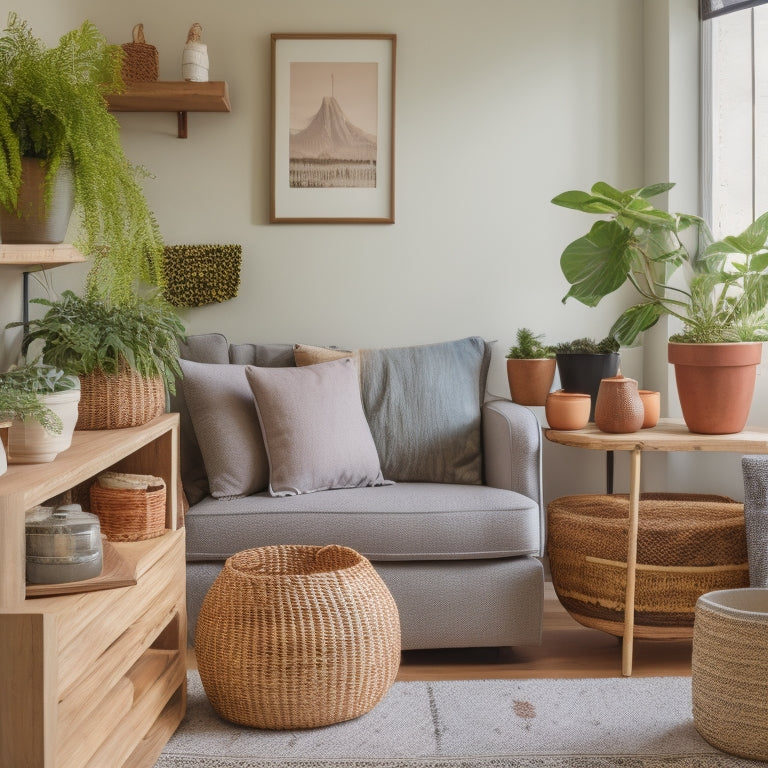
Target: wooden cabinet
{"points": [[93, 679]]}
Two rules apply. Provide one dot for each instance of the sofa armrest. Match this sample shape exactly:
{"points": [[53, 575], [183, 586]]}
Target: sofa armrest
{"points": [[512, 451]]}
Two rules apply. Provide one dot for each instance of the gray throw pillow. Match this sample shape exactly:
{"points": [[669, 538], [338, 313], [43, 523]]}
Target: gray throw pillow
{"points": [[314, 428], [227, 428]]}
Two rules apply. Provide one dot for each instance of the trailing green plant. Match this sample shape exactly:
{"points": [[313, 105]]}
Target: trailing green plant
{"points": [[22, 386], [726, 294], [529, 346], [85, 334], [53, 108], [587, 346]]}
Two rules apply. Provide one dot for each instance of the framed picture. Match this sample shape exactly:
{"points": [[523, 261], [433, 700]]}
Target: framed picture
{"points": [[333, 129]]}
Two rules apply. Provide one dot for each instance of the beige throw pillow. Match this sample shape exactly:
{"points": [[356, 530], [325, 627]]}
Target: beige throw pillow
{"points": [[314, 428]]}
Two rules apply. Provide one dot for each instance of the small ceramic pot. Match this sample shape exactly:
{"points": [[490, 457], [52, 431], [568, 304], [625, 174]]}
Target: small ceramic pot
{"points": [[567, 410], [651, 407], [619, 407]]}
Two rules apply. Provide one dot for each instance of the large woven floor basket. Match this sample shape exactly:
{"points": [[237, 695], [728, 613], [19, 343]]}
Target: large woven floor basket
{"points": [[729, 671], [297, 637], [688, 544], [116, 401]]}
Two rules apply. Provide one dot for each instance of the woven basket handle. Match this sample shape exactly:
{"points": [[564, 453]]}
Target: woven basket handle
{"points": [[138, 33]]}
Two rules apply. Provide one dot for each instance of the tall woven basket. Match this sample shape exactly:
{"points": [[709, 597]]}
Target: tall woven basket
{"points": [[115, 401], [687, 544], [297, 637], [141, 62], [729, 671]]}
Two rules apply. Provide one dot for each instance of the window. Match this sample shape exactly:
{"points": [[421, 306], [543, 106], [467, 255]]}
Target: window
{"points": [[735, 124]]}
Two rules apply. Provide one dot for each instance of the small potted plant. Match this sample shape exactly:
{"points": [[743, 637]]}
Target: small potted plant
{"points": [[125, 355], [583, 363], [722, 308], [41, 402], [530, 368]]}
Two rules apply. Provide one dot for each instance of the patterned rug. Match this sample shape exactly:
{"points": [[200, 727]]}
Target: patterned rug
{"points": [[590, 723]]}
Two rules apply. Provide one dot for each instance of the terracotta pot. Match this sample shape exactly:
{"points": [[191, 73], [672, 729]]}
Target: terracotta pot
{"points": [[619, 407], [651, 407], [583, 372], [530, 380], [567, 410], [715, 384]]}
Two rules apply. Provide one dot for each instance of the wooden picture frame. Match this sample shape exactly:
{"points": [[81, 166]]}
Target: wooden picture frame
{"points": [[333, 128]]}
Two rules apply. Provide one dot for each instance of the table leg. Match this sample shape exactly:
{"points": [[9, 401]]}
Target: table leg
{"points": [[629, 594]]}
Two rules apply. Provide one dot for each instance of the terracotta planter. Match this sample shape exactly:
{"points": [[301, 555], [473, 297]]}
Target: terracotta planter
{"points": [[567, 410], [651, 407], [583, 372], [619, 407], [38, 223], [530, 380], [715, 384]]}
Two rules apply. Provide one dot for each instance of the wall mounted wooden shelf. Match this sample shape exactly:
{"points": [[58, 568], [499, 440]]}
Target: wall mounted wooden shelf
{"points": [[39, 256], [171, 96]]}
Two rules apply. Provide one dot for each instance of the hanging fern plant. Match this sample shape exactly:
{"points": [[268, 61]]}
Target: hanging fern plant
{"points": [[53, 107]]}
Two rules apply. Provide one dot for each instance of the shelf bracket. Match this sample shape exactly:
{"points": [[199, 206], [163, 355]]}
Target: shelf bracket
{"points": [[182, 121]]}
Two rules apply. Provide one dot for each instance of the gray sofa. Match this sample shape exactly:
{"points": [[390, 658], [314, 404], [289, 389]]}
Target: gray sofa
{"points": [[456, 536]]}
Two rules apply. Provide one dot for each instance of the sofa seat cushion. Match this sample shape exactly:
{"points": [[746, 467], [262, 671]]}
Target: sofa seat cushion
{"points": [[406, 521]]}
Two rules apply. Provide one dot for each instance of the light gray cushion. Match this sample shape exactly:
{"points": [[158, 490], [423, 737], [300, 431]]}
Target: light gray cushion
{"points": [[226, 425], [405, 521], [314, 428], [423, 404]]}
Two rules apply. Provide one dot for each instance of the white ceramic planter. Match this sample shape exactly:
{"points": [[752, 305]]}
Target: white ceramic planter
{"points": [[30, 443]]}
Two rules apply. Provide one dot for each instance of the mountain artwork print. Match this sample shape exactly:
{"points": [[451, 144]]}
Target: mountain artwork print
{"points": [[333, 124]]}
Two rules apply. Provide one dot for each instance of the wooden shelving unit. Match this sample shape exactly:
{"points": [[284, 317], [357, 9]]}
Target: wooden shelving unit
{"points": [[170, 96], [39, 256], [94, 678]]}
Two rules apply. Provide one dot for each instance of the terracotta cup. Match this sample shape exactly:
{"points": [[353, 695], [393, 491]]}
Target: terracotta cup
{"points": [[567, 410], [651, 407]]}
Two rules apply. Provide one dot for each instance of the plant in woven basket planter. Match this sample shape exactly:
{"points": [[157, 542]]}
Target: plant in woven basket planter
{"points": [[54, 119], [124, 355]]}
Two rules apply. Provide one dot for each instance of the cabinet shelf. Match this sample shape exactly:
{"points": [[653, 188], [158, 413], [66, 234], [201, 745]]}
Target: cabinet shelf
{"points": [[171, 96], [39, 256]]}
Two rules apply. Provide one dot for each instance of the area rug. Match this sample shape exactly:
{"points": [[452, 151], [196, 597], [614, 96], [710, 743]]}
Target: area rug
{"points": [[591, 723]]}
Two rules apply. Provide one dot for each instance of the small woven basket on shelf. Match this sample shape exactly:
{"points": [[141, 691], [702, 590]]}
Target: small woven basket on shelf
{"points": [[687, 544], [141, 62], [297, 637], [729, 671], [119, 400], [129, 507]]}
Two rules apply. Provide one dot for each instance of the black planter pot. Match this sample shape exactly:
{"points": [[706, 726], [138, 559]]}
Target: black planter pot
{"points": [[582, 372]]}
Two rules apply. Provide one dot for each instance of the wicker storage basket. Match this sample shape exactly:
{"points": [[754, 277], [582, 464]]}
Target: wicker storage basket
{"points": [[141, 62], [130, 507], [115, 401], [297, 637], [688, 544], [729, 671]]}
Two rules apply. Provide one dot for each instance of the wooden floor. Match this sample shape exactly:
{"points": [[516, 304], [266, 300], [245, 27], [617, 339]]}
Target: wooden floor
{"points": [[568, 649]]}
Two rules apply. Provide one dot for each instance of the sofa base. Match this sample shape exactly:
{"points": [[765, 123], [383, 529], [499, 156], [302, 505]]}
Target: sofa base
{"points": [[442, 603]]}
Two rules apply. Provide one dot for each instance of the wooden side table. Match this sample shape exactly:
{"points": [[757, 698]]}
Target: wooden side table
{"points": [[668, 435]]}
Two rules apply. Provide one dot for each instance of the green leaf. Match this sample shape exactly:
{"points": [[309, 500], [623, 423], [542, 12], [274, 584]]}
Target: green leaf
{"points": [[652, 190], [634, 321], [597, 264], [583, 201], [601, 189], [759, 262], [755, 293]]}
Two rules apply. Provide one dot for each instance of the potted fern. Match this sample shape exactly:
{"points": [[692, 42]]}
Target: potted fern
{"points": [[722, 306], [530, 368], [125, 355], [41, 401], [56, 133]]}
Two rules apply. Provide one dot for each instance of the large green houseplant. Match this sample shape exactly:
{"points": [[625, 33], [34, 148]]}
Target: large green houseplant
{"points": [[722, 301], [54, 117]]}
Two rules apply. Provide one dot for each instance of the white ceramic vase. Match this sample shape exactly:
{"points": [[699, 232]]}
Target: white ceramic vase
{"points": [[30, 443], [194, 62]]}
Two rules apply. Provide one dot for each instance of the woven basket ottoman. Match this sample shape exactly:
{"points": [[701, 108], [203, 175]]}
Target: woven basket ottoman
{"points": [[297, 637], [688, 544], [729, 671]]}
